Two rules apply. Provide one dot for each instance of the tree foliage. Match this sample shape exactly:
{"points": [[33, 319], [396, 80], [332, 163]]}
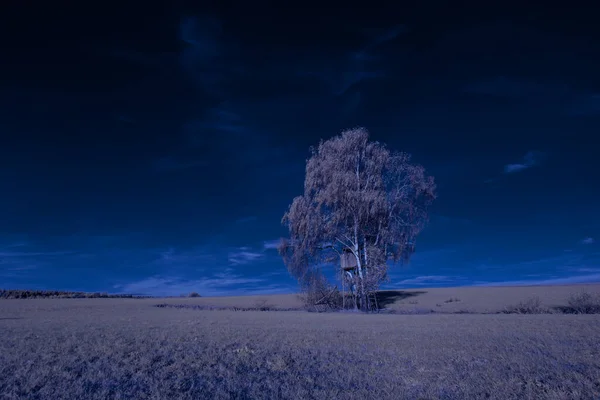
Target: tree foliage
{"points": [[359, 198]]}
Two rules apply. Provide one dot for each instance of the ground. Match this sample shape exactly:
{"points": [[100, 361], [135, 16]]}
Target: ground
{"points": [[128, 349]]}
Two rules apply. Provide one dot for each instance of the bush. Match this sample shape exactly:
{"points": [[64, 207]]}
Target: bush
{"points": [[533, 305], [452, 300], [194, 294], [263, 305], [583, 303], [56, 294], [319, 296]]}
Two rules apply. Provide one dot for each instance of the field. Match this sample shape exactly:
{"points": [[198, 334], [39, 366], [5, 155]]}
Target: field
{"points": [[129, 349]]}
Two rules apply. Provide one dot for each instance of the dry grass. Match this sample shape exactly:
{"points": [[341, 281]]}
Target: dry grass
{"points": [[128, 349], [484, 299], [452, 300]]}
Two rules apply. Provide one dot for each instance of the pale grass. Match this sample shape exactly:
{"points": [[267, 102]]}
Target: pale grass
{"points": [[129, 349]]}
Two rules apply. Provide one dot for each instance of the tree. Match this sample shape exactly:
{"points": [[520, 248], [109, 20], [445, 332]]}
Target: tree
{"points": [[362, 208]]}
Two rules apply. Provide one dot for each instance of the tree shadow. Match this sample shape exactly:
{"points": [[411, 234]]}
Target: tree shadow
{"points": [[389, 297]]}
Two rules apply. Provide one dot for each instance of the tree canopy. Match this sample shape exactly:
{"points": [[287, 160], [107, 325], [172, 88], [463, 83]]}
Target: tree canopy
{"points": [[360, 199]]}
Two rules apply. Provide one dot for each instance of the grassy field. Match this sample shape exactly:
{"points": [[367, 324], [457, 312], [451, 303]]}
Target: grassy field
{"points": [[438, 300], [129, 349]]}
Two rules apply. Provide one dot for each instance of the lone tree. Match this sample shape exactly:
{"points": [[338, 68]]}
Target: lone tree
{"points": [[363, 207]]}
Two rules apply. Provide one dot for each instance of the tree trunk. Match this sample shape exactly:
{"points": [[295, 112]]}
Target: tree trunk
{"points": [[361, 287], [343, 291]]}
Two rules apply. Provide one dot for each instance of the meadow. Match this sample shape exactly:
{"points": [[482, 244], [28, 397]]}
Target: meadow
{"points": [[450, 343]]}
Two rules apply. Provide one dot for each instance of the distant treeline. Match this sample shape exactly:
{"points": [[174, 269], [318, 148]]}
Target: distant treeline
{"points": [[57, 294]]}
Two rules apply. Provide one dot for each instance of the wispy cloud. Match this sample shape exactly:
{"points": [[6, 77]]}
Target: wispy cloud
{"points": [[426, 280], [225, 129], [204, 49], [271, 244], [225, 283], [16, 268], [12, 245], [358, 66], [588, 240], [16, 261], [19, 254], [244, 220], [243, 256], [589, 278], [210, 271], [174, 286], [531, 159], [238, 118], [127, 264], [588, 270], [196, 258], [223, 119]]}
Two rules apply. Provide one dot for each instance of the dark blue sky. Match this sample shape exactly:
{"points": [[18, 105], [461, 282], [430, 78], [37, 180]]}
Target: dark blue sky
{"points": [[154, 149]]}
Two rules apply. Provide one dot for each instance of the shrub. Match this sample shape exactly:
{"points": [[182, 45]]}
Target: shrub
{"points": [[263, 305], [452, 300], [55, 294], [320, 296], [194, 294], [322, 300], [583, 303], [533, 305]]}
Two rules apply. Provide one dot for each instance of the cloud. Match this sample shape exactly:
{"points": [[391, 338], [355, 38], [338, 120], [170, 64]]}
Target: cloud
{"points": [[531, 159], [12, 245], [588, 240], [233, 134], [271, 244], [340, 74], [589, 278], [201, 32], [18, 254], [243, 256], [19, 259], [212, 62], [10, 268], [127, 263], [225, 282], [196, 258], [426, 280], [390, 34], [593, 270], [223, 119], [175, 286], [246, 96]]}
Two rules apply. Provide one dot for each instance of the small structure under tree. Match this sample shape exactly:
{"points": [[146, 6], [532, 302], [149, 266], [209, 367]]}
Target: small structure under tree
{"points": [[363, 207]]}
